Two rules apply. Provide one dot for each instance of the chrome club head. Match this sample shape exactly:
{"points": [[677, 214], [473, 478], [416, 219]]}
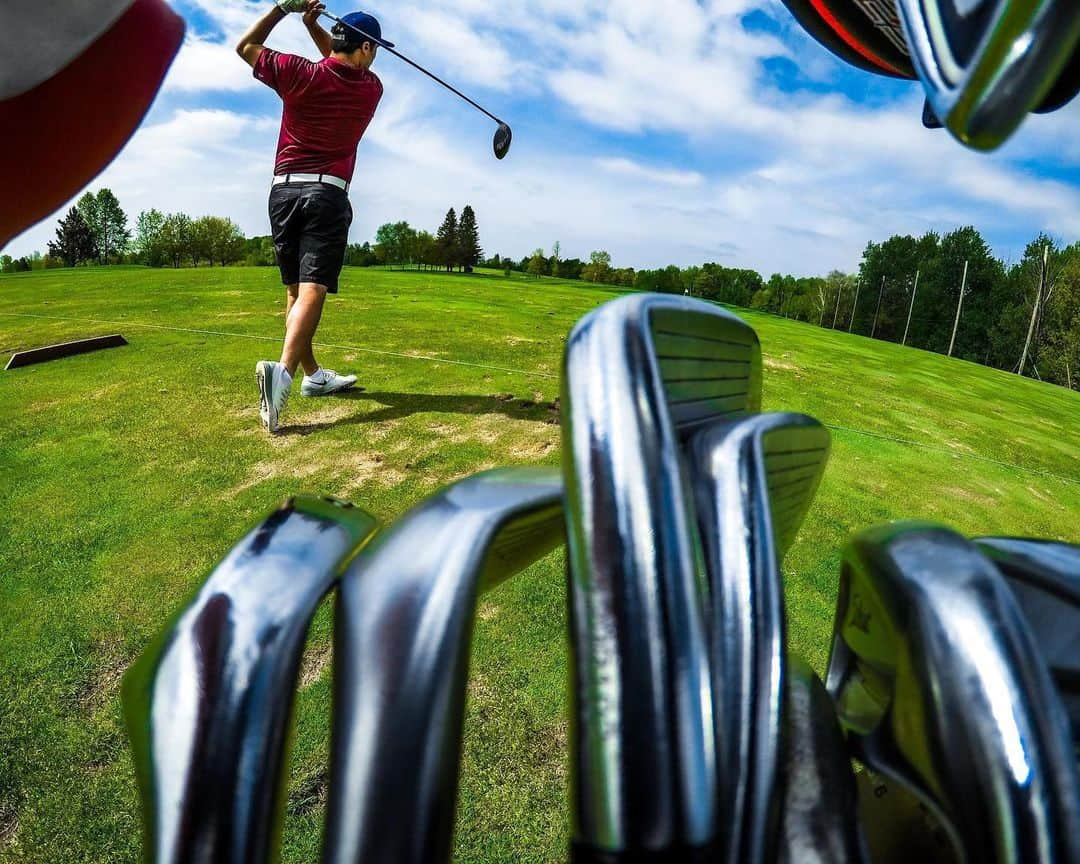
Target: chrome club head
{"points": [[986, 63], [753, 481], [404, 626], [939, 683], [818, 803], [1045, 577], [640, 375], [208, 703]]}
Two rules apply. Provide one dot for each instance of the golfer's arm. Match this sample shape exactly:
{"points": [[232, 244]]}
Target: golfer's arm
{"points": [[323, 40], [251, 43]]}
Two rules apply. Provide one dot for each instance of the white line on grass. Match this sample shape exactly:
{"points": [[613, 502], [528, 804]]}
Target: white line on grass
{"points": [[1038, 471], [227, 333]]}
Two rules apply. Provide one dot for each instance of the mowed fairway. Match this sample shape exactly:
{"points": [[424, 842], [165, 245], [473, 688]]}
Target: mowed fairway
{"points": [[125, 475]]}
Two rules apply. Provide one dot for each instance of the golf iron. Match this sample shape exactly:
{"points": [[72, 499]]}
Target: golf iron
{"points": [[940, 686], [640, 375], [1045, 577], [402, 637], [753, 479], [208, 703]]}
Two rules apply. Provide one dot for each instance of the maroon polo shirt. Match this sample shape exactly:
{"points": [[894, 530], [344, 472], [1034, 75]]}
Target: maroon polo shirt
{"points": [[326, 109]]}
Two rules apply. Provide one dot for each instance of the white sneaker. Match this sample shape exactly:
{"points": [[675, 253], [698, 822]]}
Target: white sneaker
{"points": [[274, 385], [324, 382]]}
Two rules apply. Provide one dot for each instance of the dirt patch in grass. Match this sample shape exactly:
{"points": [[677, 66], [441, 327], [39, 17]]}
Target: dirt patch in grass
{"points": [[9, 825], [309, 794], [773, 363], [316, 659], [105, 682]]}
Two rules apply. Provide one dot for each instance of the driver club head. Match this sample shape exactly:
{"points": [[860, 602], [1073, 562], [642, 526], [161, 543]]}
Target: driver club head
{"points": [[753, 480], [501, 144], [986, 63], [940, 685], [1045, 577]]}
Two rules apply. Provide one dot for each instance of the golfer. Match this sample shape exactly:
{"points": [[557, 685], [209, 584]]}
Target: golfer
{"points": [[327, 106]]}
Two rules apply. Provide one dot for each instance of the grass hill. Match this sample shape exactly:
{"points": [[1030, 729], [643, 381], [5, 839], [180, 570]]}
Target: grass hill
{"points": [[128, 473]]}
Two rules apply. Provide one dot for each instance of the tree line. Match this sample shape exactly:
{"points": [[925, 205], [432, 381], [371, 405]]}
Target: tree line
{"points": [[943, 293]]}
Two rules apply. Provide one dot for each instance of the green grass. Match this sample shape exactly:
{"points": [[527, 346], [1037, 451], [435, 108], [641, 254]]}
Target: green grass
{"points": [[126, 474]]}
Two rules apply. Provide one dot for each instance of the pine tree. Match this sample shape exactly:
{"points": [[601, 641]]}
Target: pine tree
{"points": [[446, 240], [468, 240], [74, 243]]}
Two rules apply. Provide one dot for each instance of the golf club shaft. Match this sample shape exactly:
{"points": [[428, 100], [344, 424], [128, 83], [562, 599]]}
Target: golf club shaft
{"points": [[412, 63]]}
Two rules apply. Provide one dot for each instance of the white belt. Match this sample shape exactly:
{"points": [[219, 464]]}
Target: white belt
{"points": [[311, 178]]}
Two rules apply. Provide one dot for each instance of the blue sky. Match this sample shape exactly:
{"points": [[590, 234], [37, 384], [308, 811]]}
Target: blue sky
{"points": [[665, 132]]}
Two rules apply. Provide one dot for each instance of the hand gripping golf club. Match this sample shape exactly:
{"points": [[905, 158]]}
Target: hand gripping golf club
{"points": [[753, 480], [986, 64], [1045, 577], [503, 135], [640, 374], [208, 703], [819, 821], [940, 685], [404, 626]]}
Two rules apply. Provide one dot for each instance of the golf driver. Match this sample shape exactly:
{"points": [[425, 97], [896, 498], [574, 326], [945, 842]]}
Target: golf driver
{"points": [[1045, 576], [940, 685], [208, 703], [640, 374], [404, 627], [753, 480], [503, 135]]}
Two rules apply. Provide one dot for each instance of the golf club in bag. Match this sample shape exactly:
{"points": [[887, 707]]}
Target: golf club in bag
{"points": [[503, 135]]}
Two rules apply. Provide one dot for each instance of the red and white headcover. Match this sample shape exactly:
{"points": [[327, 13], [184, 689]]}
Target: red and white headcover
{"points": [[76, 79]]}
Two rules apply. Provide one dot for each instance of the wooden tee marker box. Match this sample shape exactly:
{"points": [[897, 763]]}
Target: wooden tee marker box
{"points": [[64, 349]]}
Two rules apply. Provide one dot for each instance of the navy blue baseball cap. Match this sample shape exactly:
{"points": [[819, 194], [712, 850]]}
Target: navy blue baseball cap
{"points": [[366, 24]]}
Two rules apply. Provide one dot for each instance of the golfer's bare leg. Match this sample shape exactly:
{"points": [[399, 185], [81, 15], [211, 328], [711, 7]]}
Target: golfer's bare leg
{"points": [[300, 326], [291, 293]]}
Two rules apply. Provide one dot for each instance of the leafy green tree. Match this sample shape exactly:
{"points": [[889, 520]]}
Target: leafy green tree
{"points": [[112, 233], [599, 267], [74, 244], [538, 264], [446, 240], [395, 243], [176, 238], [87, 206], [6, 264], [148, 237], [427, 252], [556, 251], [469, 253]]}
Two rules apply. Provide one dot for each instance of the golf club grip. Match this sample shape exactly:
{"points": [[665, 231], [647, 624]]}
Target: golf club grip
{"points": [[583, 854], [381, 43]]}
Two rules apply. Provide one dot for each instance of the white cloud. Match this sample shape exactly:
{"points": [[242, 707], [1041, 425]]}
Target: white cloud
{"points": [[666, 177], [794, 182]]}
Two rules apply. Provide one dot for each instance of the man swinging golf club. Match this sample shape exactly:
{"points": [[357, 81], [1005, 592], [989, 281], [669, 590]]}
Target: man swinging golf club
{"points": [[327, 107]]}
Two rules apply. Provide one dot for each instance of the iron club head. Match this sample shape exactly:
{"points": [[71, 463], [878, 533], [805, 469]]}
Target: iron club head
{"points": [[940, 685]]}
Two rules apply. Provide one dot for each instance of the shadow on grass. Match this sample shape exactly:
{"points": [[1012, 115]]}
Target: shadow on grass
{"points": [[394, 406]]}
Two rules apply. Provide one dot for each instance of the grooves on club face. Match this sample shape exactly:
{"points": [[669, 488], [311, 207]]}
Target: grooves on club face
{"points": [[208, 703], [404, 625], [1045, 577], [640, 374], [753, 480], [983, 78], [939, 683], [818, 803]]}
